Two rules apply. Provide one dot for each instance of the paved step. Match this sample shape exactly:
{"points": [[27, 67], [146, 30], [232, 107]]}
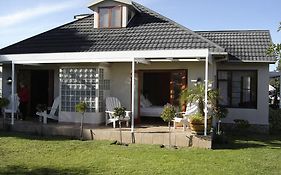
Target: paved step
{"points": [[150, 135]]}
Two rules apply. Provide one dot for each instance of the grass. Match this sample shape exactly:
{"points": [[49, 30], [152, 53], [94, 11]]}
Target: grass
{"points": [[22, 154]]}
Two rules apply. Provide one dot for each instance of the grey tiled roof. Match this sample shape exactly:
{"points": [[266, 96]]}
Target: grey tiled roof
{"points": [[147, 31], [246, 45]]}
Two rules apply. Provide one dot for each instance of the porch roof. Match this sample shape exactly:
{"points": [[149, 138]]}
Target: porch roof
{"points": [[100, 57]]}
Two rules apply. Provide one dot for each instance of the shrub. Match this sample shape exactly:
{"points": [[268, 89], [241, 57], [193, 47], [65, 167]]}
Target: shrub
{"points": [[81, 107], [168, 113], [120, 112], [241, 124], [274, 120]]}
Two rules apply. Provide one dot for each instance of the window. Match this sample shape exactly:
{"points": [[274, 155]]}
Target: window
{"points": [[238, 89], [110, 17], [83, 84]]}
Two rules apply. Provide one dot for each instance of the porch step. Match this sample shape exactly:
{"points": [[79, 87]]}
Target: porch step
{"points": [[156, 136], [179, 139]]}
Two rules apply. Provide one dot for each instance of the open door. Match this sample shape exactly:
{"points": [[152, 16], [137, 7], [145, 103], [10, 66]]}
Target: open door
{"points": [[40, 84], [159, 87]]}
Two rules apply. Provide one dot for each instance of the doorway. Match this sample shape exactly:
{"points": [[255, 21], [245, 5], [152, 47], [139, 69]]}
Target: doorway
{"points": [[156, 89], [40, 84]]}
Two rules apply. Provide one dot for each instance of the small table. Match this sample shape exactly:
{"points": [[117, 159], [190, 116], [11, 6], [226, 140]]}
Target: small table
{"points": [[184, 122]]}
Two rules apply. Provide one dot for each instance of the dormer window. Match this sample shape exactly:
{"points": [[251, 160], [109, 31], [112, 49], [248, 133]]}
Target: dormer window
{"points": [[110, 17]]}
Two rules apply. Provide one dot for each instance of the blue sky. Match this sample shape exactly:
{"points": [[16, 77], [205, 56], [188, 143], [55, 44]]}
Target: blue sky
{"points": [[20, 19]]}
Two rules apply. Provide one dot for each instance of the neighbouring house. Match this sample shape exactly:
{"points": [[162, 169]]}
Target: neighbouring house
{"points": [[98, 55]]}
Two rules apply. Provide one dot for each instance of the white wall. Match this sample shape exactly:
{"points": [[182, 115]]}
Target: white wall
{"points": [[254, 116], [7, 72]]}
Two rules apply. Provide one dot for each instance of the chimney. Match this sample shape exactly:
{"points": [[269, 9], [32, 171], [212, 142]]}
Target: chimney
{"points": [[81, 16]]}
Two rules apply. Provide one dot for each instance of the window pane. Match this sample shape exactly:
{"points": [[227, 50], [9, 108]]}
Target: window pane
{"points": [[116, 17], [246, 96], [222, 75], [246, 82], [104, 17], [223, 90]]}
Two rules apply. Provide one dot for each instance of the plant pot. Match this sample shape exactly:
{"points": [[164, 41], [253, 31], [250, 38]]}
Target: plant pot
{"points": [[180, 124], [198, 127]]}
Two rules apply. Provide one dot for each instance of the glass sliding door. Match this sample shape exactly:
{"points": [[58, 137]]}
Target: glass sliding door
{"points": [[177, 84]]}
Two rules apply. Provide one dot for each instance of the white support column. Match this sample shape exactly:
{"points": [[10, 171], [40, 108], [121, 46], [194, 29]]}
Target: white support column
{"points": [[206, 96], [13, 94], [97, 91], [280, 91], [133, 97]]}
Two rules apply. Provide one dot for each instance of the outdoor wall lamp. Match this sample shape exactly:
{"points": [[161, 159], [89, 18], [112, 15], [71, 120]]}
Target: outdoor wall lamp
{"points": [[198, 80], [9, 80]]}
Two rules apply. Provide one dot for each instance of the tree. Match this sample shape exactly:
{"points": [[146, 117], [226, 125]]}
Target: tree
{"points": [[275, 49], [120, 113], [168, 115], [81, 107]]}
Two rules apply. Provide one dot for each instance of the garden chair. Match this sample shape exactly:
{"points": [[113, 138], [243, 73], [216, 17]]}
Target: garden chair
{"points": [[191, 108], [112, 103], [52, 114], [9, 110]]}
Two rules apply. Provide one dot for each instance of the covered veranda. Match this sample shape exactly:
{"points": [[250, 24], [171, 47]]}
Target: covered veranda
{"points": [[133, 57]]}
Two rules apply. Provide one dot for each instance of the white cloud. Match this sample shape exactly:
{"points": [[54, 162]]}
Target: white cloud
{"points": [[25, 15]]}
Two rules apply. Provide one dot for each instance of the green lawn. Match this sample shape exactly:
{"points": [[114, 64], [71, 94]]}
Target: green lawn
{"points": [[21, 154]]}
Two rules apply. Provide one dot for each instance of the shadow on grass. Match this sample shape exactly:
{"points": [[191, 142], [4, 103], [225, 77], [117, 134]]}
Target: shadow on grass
{"points": [[34, 136], [251, 141], [21, 170]]}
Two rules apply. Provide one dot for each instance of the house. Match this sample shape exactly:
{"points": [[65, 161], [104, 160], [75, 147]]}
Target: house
{"points": [[128, 51]]}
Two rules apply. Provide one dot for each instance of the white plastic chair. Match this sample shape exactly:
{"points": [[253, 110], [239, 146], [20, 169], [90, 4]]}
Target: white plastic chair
{"points": [[112, 103], [191, 108], [52, 114], [9, 110]]}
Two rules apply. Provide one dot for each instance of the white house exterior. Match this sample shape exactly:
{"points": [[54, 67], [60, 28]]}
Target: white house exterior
{"points": [[95, 57]]}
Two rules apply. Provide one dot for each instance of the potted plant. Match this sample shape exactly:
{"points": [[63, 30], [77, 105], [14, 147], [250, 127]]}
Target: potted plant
{"points": [[197, 95], [81, 107], [41, 107], [168, 115], [4, 102], [120, 113], [177, 116]]}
